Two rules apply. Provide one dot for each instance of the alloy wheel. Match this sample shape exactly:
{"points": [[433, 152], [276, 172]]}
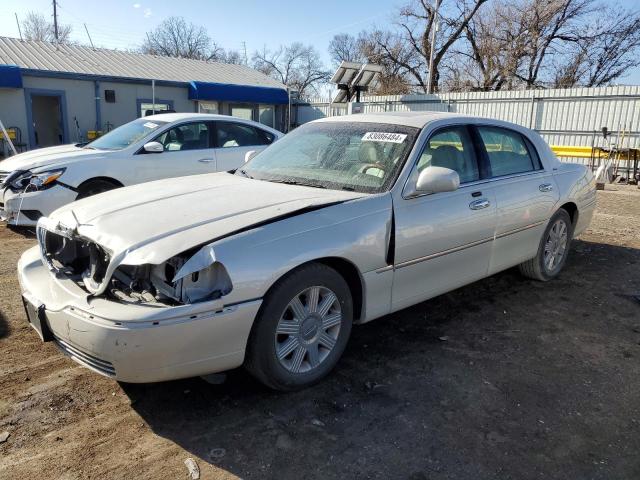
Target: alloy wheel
{"points": [[308, 329], [556, 245]]}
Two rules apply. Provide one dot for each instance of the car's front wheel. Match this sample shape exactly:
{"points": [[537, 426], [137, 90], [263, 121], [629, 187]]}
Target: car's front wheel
{"points": [[302, 328], [94, 187], [553, 249]]}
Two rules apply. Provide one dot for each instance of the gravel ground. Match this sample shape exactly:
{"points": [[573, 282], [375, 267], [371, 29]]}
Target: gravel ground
{"points": [[505, 378]]}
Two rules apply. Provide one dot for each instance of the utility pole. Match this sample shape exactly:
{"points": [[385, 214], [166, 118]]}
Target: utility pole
{"points": [[434, 27], [244, 47], [55, 19], [18, 23], [90, 41]]}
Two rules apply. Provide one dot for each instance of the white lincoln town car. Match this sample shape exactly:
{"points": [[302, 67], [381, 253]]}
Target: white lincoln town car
{"points": [[35, 183], [342, 221]]}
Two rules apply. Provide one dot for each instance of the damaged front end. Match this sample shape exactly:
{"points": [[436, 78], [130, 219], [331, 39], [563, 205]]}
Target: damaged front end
{"points": [[191, 277]]}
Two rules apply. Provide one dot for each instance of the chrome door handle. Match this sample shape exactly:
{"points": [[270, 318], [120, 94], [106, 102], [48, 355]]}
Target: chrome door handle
{"points": [[206, 160], [545, 187], [479, 204]]}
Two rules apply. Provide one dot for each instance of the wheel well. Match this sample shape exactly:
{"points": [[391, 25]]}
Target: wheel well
{"points": [[352, 276], [348, 271], [110, 180], [572, 210]]}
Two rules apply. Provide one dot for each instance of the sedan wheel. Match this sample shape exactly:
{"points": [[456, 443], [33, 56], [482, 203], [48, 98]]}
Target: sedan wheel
{"points": [[553, 249], [555, 246], [308, 329], [302, 328]]}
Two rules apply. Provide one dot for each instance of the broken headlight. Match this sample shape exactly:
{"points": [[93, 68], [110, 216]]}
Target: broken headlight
{"points": [[179, 280], [187, 283]]}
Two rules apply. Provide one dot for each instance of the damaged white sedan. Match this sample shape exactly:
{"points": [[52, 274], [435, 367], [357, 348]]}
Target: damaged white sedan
{"points": [[342, 221]]}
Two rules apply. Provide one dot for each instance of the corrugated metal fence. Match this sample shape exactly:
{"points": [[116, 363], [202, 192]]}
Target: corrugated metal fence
{"points": [[562, 116]]}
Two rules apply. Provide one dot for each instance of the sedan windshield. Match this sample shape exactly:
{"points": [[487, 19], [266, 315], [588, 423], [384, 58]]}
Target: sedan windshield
{"points": [[364, 157], [125, 135]]}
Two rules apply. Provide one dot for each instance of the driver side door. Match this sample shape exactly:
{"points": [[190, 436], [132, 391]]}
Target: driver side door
{"points": [[187, 150], [443, 240]]}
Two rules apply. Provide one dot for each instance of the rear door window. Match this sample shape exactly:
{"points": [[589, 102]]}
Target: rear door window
{"points": [[230, 134], [507, 151]]}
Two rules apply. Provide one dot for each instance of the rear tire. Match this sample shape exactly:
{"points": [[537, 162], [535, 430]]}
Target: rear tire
{"points": [[94, 187], [553, 250], [302, 328]]}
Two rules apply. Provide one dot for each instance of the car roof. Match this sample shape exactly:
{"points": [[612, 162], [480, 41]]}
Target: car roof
{"points": [[177, 117], [174, 117], [408, 119]]}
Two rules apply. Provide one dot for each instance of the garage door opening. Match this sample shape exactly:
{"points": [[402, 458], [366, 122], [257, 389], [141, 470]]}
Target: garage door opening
{"points": [[47, 120]]}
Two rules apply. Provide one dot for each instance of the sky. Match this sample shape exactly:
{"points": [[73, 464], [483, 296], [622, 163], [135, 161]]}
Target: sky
{"points": [[232, 24]]}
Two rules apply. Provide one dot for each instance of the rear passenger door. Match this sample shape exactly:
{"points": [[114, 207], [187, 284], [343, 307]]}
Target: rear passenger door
{"points": [[525, 192], [234, 139]]}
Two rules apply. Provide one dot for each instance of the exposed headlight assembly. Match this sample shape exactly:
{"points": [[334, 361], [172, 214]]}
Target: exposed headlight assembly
{"points": [[182, 279], [196, 279], [35, 181]]}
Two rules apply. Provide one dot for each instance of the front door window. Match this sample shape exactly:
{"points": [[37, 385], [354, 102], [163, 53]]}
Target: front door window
{"points": [[451, 148], [190, 136]]}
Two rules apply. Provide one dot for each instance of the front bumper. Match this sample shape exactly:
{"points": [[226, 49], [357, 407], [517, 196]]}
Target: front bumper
{"points": [[14, 205], [135, 343]]}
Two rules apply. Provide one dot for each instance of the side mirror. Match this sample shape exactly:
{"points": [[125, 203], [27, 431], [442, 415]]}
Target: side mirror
{"points": [[436, 180], [249, 155], [153, 147]]}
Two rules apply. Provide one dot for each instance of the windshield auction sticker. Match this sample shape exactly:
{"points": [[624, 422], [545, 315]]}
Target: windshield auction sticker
{"points": [[384, 137], [151, 125]]}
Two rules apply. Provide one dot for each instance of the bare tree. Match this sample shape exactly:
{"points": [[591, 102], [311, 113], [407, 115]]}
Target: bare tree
{"points": [[559, 43], [494, 49], [549, 26], [345, 47], [35, 26], [416, 22], [174, 37], [231, 56], [389, 50], [297, 66], [604, 52]]}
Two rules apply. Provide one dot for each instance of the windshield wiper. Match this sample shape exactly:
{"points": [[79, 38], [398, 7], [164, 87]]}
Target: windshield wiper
{"points": [[302, 184], [244, 172]]}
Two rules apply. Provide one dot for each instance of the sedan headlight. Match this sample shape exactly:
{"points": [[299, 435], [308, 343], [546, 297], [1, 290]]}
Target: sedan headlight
{"points": [[39, 181]]}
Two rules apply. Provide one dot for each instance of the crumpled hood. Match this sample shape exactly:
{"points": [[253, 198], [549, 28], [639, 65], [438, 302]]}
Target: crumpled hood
{"points": [[151, 222], [55, 156]]}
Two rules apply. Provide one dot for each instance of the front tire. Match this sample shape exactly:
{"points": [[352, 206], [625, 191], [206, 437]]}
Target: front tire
{"points": [[302, 328], [553, 249], [94, 187]]}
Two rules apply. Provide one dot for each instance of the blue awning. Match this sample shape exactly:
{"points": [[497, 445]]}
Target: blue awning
{"points": [[237, 93], [10, 76]]}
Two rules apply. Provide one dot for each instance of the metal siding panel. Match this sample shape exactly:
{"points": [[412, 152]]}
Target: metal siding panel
{"points": [[84, 60]]}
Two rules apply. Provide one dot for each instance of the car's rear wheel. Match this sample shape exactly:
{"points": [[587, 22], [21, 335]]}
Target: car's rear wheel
{"points": [[553, 249], [302, 328], [94, 187]]}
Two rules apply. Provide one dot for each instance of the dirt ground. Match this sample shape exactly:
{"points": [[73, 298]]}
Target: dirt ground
{"points": [[505, 378]]}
